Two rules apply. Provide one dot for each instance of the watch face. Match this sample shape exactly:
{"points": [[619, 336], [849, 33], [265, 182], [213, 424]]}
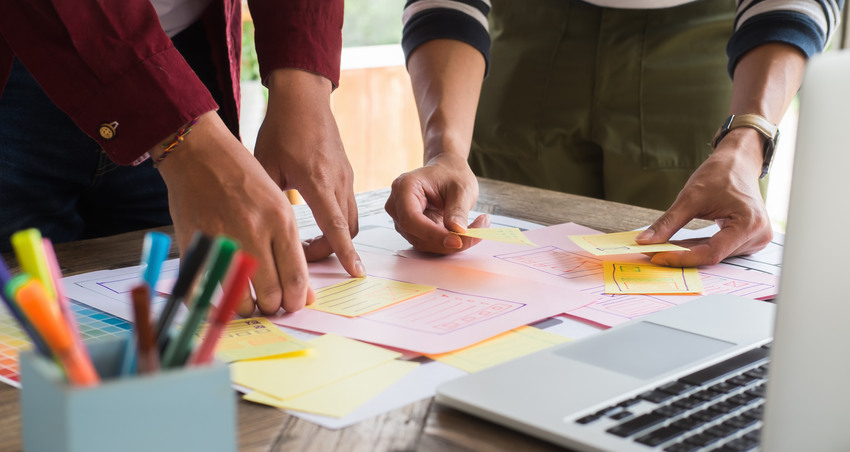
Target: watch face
{"points": [[769, 151], [722, 131]]}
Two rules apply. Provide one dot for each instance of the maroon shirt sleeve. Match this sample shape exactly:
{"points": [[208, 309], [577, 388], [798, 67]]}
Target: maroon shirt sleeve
{"points": [[7, 58], [302, 34], [105, 62]]}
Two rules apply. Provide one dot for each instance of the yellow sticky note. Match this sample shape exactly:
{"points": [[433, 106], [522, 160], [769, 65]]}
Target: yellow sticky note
{"points": [[507, 235], [341, 398], [619, 243], [330, 358], [502, 348], [631, 278], [359, 296], [253, 338]]}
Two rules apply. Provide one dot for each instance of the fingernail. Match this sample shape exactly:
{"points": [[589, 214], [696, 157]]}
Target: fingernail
{"points": [[660, 261], [453, 242], [458, 225], [359, 268], [646, 234]]}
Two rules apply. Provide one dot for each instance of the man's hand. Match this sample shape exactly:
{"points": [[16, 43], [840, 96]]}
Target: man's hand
{"points": [[429, 203], [215, 185], [724, 189], [299, 146]]}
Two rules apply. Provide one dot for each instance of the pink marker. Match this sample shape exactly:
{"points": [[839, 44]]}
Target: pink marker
{"points": [[61, 297]]}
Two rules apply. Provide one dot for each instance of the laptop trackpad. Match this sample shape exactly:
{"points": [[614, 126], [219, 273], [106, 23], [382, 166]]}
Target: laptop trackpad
{"points": [[643, 350]]}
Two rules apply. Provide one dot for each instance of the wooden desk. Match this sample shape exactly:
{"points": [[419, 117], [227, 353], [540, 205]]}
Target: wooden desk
{"points": [[421, 426]]}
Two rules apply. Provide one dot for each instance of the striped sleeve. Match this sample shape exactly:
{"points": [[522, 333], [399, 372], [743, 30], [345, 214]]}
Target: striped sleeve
{"points": [[805, 24], [462, 20]]}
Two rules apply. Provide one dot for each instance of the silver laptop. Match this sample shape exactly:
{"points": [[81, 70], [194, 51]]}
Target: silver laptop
{"points": [[694, 377]]}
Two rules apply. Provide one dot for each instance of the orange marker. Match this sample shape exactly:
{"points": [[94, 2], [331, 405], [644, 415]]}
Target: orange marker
{"points": [[64, 303], [46, 317]]}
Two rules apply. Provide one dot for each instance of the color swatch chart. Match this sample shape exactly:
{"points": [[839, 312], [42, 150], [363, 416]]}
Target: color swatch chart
{"points": [[94, 325]]}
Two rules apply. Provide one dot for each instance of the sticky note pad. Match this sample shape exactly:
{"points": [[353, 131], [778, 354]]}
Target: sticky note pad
{"points": [[253, 338], [502, 348], [632, 278], [359, 296], [619, 243], [507, 235], [341, 398], [330, 358]]}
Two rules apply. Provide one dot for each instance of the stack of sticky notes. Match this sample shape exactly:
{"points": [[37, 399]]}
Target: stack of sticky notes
{"points": [[253, 338], [643, 278], [501, 348], [332, 377]]}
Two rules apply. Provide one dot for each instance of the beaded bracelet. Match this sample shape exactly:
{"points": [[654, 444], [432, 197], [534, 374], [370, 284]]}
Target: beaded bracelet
{"points": [[181, 134]]}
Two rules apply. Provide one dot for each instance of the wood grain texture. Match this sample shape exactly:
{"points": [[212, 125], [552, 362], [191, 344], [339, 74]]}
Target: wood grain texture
{"points": [[450, 429], [425, 425], [10, 419]]}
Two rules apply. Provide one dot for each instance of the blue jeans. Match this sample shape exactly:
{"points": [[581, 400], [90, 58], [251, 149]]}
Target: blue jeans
{"points": [[55, 178]]}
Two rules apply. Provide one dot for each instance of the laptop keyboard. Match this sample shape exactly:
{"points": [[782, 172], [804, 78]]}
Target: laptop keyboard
{"points": [[718, 408]]}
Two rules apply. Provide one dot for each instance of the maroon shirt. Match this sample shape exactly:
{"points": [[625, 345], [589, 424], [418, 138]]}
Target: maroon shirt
{"points": [[109, 62]]}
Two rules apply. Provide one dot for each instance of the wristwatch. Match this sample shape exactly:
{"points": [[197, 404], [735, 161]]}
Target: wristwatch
{"points": [[762, 125]]}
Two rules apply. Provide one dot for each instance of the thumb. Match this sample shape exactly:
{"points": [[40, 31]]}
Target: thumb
{"points": [[665, 226], [456, 213]]}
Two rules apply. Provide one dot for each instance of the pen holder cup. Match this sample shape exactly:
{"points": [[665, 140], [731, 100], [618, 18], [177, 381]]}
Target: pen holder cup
{"points": [[186, 409]]}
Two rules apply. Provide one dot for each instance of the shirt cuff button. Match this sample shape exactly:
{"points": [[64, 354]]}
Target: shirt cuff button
{"points": [[107, 131]]}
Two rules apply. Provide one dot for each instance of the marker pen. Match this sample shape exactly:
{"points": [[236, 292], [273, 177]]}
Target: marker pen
{"points": [[46, 317]]}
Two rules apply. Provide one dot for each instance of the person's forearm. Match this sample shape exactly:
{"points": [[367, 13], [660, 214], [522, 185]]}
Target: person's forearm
{"points": [[766, 80], [446, 76], [296, 95], [300, 86]]}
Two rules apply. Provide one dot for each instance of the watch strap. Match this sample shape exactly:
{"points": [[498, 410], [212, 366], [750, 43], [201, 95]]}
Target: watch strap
{"points": [[762, 125]]}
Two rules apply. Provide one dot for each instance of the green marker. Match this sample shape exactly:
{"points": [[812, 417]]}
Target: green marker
{"points": [[179, 348]]}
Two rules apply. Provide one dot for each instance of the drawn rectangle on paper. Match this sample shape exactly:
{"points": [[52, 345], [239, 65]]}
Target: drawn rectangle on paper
{"points": [[555, 261], [442, 311]]}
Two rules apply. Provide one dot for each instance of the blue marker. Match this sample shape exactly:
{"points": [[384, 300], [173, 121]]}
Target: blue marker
{"points": [[154, 252]]}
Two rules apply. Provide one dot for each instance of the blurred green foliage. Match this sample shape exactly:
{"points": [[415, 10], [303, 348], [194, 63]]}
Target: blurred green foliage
{"points": [[250, 66], [372, 22], [366, 23]]}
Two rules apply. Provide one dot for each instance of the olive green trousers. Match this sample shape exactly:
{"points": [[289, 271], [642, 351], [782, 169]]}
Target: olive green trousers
{"points": [[617, 104]]}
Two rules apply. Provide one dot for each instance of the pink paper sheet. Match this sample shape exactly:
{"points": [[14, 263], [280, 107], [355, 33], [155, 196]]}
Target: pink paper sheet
{"points": [[469, 305], [560, 262]]}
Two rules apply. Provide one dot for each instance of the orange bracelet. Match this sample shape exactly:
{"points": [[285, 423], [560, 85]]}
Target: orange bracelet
{"points": [[181, 134]]}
